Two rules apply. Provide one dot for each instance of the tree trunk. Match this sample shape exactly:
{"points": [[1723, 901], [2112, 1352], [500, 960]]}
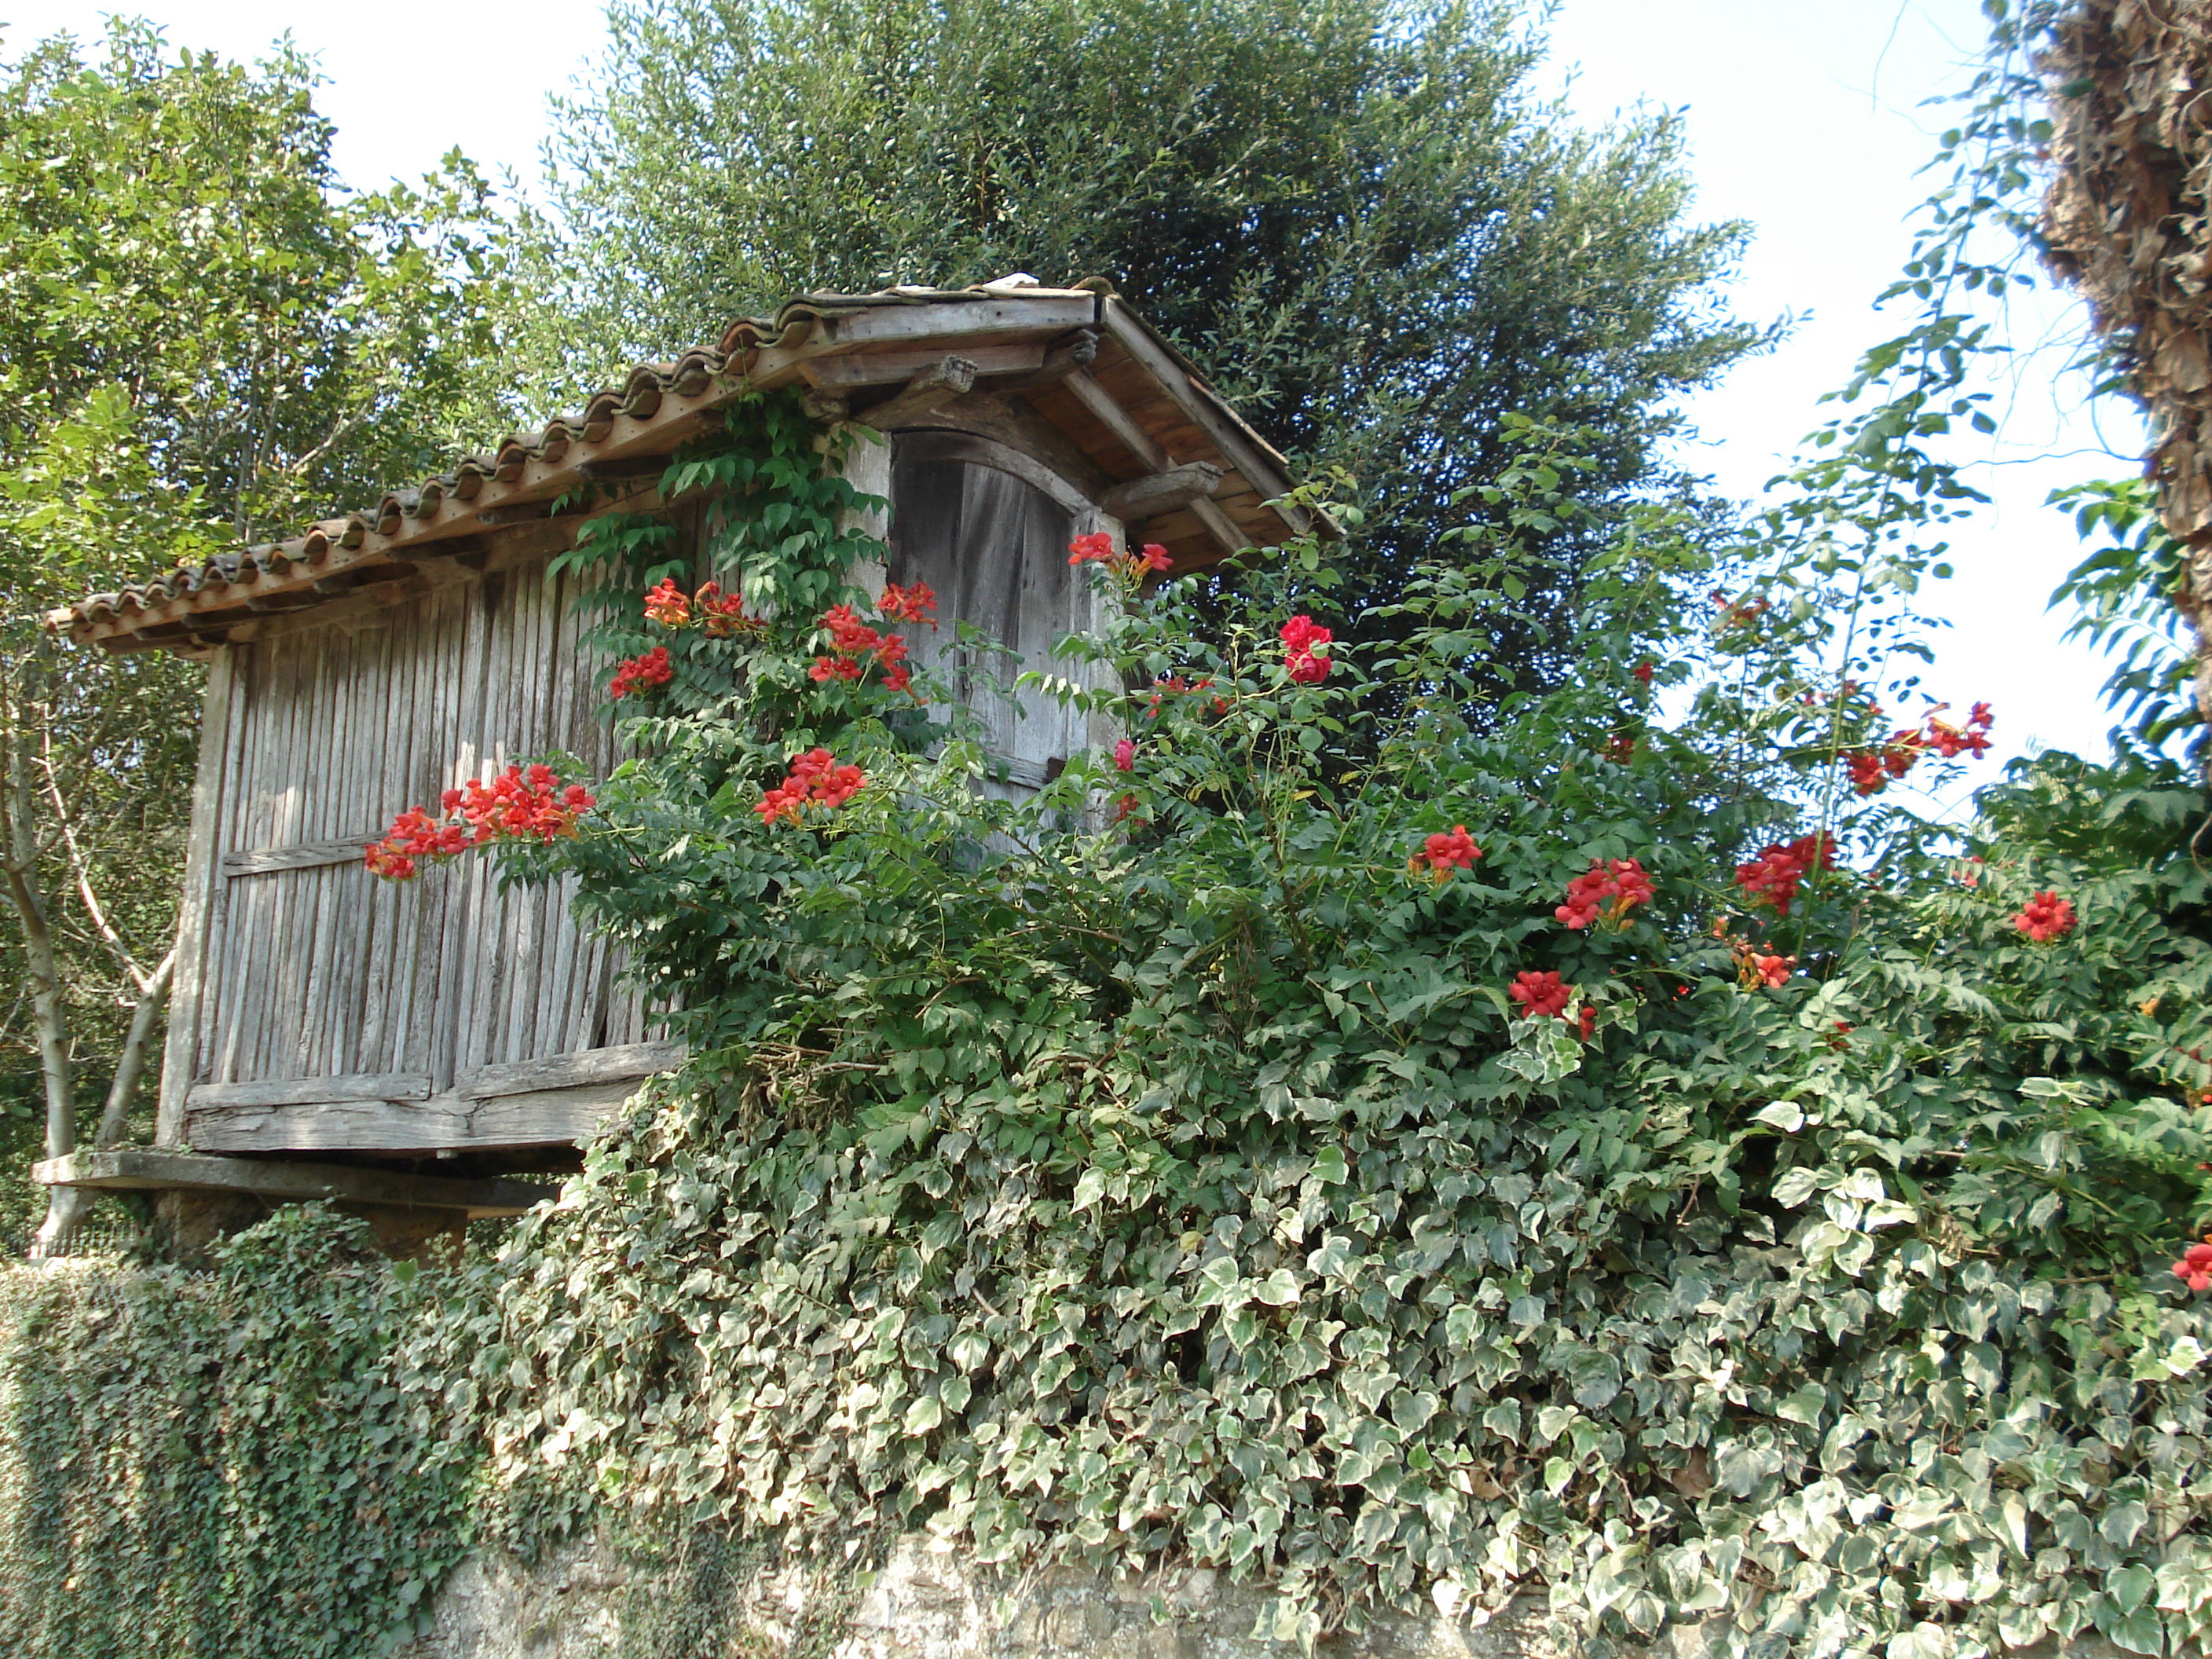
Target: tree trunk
{"points": [[19, 873], [18, 866], [67, 1206]]}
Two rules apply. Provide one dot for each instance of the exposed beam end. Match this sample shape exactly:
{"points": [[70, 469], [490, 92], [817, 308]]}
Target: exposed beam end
{"points": [[940, 383], [1163, 492]]}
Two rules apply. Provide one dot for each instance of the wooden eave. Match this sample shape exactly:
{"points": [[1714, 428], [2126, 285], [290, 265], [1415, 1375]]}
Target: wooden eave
{"points": [[1132, 411]]}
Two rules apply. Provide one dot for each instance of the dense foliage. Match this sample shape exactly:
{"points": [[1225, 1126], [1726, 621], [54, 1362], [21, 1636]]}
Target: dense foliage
{"points": [[1162, 1169], [1361, 219], [1514, 1158]]}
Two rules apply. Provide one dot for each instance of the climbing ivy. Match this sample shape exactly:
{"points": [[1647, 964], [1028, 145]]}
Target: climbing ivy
{"points": [[1161, 1169], [262, 1460], [1273, 1145]]}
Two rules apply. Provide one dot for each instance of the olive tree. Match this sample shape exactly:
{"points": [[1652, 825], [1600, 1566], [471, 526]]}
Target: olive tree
{"points": [[1360, 216]]}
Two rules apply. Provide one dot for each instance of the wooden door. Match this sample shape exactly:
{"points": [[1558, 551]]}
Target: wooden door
{"points": [[989, 529]]}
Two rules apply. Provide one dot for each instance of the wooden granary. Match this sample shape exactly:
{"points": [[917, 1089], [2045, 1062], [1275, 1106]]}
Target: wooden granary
{"points": [[441, 1032]]}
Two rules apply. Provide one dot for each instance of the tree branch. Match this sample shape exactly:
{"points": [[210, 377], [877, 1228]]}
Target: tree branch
{"points": [[78, 867]]}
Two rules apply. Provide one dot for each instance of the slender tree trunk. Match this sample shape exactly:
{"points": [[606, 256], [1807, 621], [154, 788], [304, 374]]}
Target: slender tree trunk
{"points": [[20, 879], [19, 868], [66, 1206], [131, 1064]]}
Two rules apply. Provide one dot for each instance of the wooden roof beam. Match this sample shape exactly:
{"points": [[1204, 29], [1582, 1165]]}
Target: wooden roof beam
{"points": [[940, 383], [1138, 442], [1162, 492], [1240, 447], [1079, 350]]}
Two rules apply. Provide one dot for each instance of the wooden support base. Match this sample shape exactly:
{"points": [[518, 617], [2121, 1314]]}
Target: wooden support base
{"points": [[142, 1169], [557, 1101]]}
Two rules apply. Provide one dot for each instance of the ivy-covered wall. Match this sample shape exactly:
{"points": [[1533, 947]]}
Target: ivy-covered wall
{"points": [[271, 1460]]}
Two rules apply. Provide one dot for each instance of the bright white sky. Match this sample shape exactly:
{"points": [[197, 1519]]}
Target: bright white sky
{"points": [[1803, 117]]}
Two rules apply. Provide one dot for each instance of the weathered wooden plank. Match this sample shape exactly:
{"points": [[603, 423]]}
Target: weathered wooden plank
{"points": [[893, 368], [260, 955], [390, 907], [365, 996], [546, 1117], [613, 1064], [291, 1090], [508, 946], [444, 1122], [568, 1010], [307, 1023], [435, 664], [195, 929], [308, 855], [278, 755], [955, 323], [277, 984], [329, 1126], [446, 994], [127, 1169], [535, 1028], [214, 1021], [510, 938], [245, 915], [300, 1041], [355, 958], [472, 957]]}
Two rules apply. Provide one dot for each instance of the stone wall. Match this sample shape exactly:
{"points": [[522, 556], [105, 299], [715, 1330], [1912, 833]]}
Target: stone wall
{"points": [[920, 1606], [573, 1604]]}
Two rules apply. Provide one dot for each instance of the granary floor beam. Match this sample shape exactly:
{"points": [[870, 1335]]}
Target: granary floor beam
{"points": [[143, 1169]]}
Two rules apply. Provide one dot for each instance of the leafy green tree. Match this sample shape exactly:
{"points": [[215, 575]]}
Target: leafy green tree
{"points": [[204, 339], [1356, 214]]}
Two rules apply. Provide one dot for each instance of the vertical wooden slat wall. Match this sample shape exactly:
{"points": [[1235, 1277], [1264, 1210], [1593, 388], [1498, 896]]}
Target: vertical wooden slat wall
{"points": [[327, 971]]}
